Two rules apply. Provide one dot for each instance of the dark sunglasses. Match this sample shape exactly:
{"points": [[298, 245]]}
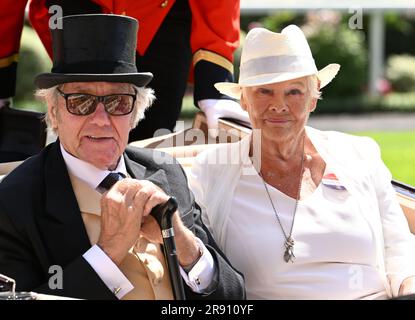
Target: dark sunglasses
{"points": [[83, 104]]}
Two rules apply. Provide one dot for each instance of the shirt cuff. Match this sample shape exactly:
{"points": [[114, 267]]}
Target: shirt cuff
{"points": [[108, 271], [201, 275]]}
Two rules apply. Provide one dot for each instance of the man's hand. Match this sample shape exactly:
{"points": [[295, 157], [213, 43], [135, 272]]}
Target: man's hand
{"points": [[123, 210], [186, 245], [125, 214], [221, 108]]}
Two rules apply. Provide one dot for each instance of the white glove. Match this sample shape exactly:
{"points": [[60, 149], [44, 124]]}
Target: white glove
{"points": [[221, 108], [5, 102]]}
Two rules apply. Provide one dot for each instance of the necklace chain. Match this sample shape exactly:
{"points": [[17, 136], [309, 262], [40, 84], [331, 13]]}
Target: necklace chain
{"points": [[289, 241]]}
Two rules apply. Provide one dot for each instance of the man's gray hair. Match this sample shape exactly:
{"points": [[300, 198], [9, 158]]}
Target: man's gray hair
{"points": [[144, 99]]}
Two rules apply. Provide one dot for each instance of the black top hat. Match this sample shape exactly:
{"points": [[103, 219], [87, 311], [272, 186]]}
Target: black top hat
{"points": [[94, 47]]}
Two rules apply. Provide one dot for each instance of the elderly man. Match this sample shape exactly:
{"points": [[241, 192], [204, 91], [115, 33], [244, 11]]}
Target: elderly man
{"points": [[55, 210]]}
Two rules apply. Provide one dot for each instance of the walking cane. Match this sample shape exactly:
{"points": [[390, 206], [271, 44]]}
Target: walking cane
{"points": [[163, 213]]}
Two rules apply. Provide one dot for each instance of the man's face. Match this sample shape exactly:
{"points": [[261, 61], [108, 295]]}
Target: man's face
{"points": [[98, 138]]}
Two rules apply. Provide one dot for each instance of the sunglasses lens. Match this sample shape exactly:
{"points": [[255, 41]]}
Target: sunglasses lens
{"points": [[119, 104], [85, 104], [81, 104]]}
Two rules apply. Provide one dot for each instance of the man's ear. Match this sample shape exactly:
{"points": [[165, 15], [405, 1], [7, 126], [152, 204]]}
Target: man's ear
{"points": [[53, 116]]}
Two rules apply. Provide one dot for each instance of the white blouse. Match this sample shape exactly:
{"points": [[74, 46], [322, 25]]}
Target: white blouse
{"points": [[334, 246], [333, 242]]}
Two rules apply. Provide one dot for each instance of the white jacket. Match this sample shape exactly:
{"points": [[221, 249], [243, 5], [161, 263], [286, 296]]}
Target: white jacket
{"points": [[357, 163]]}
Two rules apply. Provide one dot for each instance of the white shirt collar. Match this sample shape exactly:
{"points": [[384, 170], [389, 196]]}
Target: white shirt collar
{"points": [[86, 171]]}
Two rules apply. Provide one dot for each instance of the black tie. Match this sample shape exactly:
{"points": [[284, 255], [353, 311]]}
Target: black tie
{"points": [[109, 181]]}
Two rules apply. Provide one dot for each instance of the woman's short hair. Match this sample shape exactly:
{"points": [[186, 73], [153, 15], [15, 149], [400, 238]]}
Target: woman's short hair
{"points": [[312, 86]]}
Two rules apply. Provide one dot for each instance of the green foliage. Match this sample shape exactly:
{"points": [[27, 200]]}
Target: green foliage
{"points": [[33, 60], [399, 33], [339, 44], [237, 56], [394, 102], [246, 21], [188, 109], [398, 153], [331, 41], [400, 71], [398, 102], [279, 21], [352, 104]]}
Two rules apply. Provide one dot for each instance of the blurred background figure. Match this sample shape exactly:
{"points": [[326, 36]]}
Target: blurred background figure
{"points": [[179, 40]]}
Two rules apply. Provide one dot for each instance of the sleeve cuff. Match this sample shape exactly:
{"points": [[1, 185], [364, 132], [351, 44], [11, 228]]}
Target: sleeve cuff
{"points": [[201, 275], [108, 271], [206, 75]]}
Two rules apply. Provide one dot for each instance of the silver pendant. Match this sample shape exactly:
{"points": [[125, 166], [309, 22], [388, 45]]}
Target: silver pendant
{"points": [[289, 250]]}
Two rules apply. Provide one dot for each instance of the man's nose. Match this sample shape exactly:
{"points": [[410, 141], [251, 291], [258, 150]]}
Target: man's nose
{"points": [[100, 117]]}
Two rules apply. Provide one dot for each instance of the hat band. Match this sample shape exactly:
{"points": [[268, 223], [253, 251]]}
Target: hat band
{"points": [[277, 64], [96, 67]]}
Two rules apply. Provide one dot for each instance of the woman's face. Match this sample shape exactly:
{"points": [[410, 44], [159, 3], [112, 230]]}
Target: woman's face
{"points": [[281, 109]]}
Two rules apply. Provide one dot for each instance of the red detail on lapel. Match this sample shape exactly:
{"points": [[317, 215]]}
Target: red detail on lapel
{"points": [[330, 176]]}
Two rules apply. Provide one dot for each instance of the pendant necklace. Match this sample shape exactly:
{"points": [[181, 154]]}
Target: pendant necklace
{"points": [[289, 241]]}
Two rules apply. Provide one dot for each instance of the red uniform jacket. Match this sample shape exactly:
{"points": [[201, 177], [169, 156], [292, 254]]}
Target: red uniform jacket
{"points": [[214, 30]]}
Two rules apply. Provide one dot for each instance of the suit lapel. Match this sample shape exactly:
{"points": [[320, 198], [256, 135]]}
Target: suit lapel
{"points": [[134, 169], [158, 177], [138, 171], [61, 223]]}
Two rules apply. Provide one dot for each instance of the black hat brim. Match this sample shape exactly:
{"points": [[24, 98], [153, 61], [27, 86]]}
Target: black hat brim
{"points": [[48, 80]]}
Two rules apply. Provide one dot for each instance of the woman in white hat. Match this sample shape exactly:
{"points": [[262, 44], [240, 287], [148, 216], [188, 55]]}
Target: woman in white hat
{"points": [[302, 213]]}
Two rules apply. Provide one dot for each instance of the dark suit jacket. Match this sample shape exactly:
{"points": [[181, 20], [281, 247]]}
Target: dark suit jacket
{"points": [[41, 226]]}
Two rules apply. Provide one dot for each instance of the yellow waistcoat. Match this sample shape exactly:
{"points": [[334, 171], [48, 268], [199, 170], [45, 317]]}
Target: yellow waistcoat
{"points": [[144, 265]]}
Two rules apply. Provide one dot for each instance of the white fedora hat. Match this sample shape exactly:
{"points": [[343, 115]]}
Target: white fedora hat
{"points": [[269, 57]]}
